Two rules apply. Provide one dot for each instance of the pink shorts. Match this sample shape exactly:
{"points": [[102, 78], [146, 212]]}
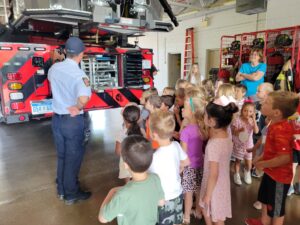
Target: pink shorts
{"points": [[242, 154]]}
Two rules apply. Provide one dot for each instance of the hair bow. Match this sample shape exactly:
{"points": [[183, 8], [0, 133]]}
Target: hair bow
{"points": [[224, 100], [248, 101]]}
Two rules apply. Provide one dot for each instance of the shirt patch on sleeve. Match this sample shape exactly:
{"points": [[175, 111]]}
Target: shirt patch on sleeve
{"points": [[86, 81]]}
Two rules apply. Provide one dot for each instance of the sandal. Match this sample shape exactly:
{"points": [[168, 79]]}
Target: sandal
{"points": [[186, 221], [197, 215]]}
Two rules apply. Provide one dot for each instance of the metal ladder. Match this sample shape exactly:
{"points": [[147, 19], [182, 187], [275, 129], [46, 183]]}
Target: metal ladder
{"points": [[189, 51]]}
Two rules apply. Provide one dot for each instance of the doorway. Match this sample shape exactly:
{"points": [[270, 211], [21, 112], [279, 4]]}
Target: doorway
{"points": [[174, 68], [213, 60]]}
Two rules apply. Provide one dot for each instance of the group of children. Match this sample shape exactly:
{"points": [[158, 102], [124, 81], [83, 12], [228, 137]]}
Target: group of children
{"points": [[175, 154]]}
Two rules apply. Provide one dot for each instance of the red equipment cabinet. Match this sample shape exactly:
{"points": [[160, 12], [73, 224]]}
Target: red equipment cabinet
{"points": [[229, 56], [117, 76], [274, 55]]}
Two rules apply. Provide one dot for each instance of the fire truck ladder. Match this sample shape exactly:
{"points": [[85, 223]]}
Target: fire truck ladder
{"points": [[189, 51]]}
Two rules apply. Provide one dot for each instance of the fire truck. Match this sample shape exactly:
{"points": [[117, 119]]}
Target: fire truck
{"points": [[33, 39]]}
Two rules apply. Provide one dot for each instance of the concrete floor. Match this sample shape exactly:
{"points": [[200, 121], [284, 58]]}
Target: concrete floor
{"points": [[27, 177]]}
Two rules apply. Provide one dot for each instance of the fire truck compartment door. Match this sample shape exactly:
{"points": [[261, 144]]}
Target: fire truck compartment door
{"points": [[41, 84]]}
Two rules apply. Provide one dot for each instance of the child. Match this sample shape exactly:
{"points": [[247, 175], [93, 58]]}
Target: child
{"points": [[215, 197], [192, 139], [153, 104], [168, 91], [218, 83], [209, 88], [179, 101], [295, 188], [194, 76], [242, 135], [167, 161], [258, 148], [167, 102], [181, 83], [131, 115], [276, 160], [144, 112], [240, 93], [257, 151], [262, 93], [226, 90], [137, 202]]}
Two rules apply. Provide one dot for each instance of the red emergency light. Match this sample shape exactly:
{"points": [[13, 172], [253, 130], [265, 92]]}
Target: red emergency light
{"points": [[14, 76], [17, 105]]}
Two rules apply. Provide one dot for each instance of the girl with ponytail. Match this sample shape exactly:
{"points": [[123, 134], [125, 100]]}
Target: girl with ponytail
{"points": [[131, 116], [193, 137], [215, 197]]}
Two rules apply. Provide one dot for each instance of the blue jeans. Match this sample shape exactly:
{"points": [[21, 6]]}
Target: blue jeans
{"points": [[68, 135]]}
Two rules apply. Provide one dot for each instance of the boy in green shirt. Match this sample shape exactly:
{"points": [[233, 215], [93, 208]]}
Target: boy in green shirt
{"points": [[137, 202]]}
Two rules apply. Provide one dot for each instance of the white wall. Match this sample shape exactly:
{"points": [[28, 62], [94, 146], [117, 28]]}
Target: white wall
{"points": [[283, 13], [222, 23]]}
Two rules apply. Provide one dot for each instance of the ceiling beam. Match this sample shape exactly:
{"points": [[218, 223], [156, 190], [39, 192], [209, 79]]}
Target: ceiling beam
{"points": [[189, 6], [205, 12]]}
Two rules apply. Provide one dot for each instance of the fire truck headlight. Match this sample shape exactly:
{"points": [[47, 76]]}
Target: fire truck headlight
{"points": [[16, 96], [15, 86]]}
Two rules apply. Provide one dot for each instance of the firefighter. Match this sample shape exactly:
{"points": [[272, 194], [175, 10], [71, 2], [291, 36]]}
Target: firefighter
{"points": [[71, 92]]}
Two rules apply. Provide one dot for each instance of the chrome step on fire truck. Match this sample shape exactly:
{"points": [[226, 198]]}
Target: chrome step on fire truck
{"points": [[33, 38]]}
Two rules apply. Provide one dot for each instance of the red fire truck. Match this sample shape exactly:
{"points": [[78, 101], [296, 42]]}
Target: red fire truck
{"points": [[33, 41]]}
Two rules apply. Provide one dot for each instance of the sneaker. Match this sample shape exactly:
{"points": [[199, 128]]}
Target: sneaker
{"points": [[87, 134], [61, 197], [237, 179], [247, 177], [252, 221], [257, 205], [255, 174], [291, 190], [297, 188], [80, 196]]}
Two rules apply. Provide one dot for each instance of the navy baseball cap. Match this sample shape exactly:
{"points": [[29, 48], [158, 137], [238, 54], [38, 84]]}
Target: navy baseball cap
{"points": [[74, 45]]}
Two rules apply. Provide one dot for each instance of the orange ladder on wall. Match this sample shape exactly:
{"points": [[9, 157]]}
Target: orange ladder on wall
{"points": [[189, 51]]}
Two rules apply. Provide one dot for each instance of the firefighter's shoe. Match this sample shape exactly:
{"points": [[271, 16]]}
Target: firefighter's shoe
{"points": [[251, 221], [80, 196], [61, 197]]}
